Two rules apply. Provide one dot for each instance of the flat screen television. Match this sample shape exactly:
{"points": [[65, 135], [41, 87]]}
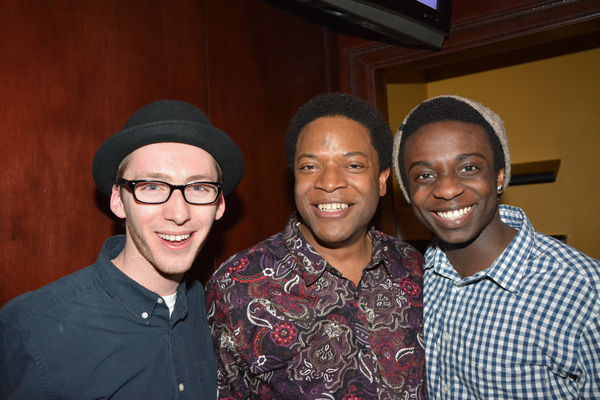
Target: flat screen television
{"points": [[418, 23]]}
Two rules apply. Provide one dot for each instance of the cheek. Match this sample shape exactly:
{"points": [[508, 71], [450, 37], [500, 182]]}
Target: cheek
{"points": [[416, 196], [140, 219], [142, 213], [424, 218], [418, 200], [417, 211], [300, 190], [205, 215]]}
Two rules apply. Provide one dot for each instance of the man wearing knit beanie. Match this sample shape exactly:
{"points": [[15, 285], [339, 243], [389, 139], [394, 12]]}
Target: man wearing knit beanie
{"points": [[509, 312]]}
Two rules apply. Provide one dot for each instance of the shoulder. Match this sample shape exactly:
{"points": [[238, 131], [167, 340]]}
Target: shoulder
{"points": [[566, 260], [562, 282], [194, 291], [550, 259], [398, 254], [43, 300], [400, 248], [254, 259]]}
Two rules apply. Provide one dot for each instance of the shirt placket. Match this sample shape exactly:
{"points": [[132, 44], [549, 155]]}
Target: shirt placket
{"points": [[447, 342], [362, 331], [177, 360], [450, 341]]}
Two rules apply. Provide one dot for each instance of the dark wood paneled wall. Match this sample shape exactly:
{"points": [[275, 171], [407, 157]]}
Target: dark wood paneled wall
{"points": [[72, 72], [263, 64]]}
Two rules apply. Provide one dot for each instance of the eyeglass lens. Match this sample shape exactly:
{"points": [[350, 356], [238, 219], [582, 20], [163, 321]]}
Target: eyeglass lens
{"points": [[158, 192]]}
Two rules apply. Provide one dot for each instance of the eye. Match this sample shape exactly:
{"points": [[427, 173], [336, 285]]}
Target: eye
{"points": [[306, 167], [424, 176], [150, 186], [469, 168], [355, 166]]}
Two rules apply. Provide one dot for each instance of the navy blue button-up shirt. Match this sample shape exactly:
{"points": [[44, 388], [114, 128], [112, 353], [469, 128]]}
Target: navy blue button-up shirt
{"points": [[97, 334]]}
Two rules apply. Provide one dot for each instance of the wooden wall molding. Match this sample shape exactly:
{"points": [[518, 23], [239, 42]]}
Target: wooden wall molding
{"points": [[518, 12], [495, 32]]}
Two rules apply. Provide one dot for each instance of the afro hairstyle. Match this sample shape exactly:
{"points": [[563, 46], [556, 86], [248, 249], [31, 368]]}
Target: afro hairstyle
{"points": [[341, 105]]}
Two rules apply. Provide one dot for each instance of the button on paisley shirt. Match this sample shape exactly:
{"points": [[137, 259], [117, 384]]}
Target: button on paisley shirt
{"points": [[287, 325]]}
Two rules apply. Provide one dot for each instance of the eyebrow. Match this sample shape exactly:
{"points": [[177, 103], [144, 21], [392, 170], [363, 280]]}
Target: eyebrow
{"points": [[467, 155], [348, 154], [460, 157], [165, 177], [418, 164], [306, 155], [356, 153]]}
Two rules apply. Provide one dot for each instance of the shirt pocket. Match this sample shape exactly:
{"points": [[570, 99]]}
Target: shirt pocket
{"points": [[511, 381], [207, 374]]}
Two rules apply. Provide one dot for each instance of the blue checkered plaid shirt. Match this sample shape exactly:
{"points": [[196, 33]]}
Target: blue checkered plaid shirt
{"points": [[528, 327]]}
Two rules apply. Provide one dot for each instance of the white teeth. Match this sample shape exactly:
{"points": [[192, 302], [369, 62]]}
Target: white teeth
{"points": [[330, 207], [175, 238], [452, 215]]}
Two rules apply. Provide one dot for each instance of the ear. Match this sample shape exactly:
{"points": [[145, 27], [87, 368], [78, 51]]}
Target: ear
{"points": [[500, 180], [383, 176], [116, 203], [220, 207]]}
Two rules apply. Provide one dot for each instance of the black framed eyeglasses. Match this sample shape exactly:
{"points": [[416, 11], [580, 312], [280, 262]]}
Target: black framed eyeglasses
{"points": [[157, 192]]}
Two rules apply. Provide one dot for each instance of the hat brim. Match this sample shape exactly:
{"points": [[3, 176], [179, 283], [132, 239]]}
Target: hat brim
{"points": [[214, 141]]}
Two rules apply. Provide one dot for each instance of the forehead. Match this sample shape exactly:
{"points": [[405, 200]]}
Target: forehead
{"points": [[334, 134], [447, 139], [172, 159]]}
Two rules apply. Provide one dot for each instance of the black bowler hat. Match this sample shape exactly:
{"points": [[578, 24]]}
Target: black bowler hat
{"points": [[168, 121]]}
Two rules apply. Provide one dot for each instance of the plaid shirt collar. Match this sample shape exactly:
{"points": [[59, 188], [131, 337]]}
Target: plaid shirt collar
{"points": [[507, 270]]}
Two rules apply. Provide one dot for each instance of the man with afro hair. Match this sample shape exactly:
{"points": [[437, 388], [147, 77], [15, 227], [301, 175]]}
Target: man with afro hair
{"points": [[509, 312], [329, 308]]}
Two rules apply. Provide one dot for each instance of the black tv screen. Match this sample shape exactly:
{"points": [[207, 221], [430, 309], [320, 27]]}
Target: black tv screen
{"points": [[419, 23]]}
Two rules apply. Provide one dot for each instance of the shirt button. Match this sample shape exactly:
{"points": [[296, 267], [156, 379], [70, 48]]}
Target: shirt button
{"points": [[181, 387], [446, 336], [144, 315], [445, 388], [160, 300]]}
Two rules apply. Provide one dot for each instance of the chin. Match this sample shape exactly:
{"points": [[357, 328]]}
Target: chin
{"points": [[458, 240], [331, 237], [176, 269], [172, 265]]}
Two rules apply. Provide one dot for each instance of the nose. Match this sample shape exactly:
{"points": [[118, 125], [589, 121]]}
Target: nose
{"points": [[176, 209], [448, 187], [331, 178]]}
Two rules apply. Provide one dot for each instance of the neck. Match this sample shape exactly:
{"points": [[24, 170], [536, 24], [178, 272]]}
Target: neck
{"points": [[146, 275], [350, 257], [480, 253]]}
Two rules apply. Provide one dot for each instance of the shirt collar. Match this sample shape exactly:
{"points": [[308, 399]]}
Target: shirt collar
{"points": [[508, 269], [140, 301], [310, 263]]}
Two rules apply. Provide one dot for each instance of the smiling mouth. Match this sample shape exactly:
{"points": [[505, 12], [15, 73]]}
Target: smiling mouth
{"points": [[331, 207], [456, 214], [175, 238]]}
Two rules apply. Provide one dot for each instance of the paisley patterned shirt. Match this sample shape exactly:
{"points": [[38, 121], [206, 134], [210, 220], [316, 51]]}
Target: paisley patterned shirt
{"points": [[287, 325]]}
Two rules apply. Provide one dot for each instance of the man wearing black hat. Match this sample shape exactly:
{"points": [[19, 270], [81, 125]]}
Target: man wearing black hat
{"points": [[132, 326]]}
